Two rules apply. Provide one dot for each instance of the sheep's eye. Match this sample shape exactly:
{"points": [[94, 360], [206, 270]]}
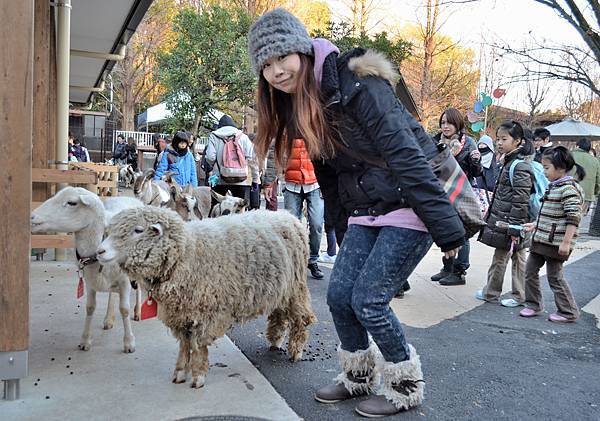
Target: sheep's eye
{"points": [[72, 203], [138, 230]]}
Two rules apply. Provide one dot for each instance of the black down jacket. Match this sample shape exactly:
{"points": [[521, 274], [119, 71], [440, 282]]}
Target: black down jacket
{"points": [[510, 203], [371, 122]]}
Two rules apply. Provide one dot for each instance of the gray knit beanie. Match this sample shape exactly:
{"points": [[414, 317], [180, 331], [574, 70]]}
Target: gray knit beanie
{"points": [[274, 34]]}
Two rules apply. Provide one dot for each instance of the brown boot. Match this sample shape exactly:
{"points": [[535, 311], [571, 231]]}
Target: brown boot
{"points": [[401, 388], [356, 379], [337, 392]]}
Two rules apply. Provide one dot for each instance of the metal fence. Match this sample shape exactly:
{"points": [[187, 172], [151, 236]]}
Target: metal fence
{"points": [[146, 138]]}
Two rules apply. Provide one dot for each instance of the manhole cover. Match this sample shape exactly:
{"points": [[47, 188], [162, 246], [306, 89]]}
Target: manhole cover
{"points": [[223, 418]]}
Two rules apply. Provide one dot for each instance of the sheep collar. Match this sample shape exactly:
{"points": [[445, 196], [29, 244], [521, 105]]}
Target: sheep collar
{"points": [[86, 261]]}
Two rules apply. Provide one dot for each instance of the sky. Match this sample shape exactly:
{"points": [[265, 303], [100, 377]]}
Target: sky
{"points": [[513, 21]]}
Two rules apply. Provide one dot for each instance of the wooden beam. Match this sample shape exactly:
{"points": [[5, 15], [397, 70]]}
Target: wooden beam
{"points": [[16, 109], [41, 90], [54, 241], [50, 175]]}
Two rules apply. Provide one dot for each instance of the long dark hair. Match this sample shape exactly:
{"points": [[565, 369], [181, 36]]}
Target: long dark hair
{"points": [[517, 132], [283, 117], [560, 157]]}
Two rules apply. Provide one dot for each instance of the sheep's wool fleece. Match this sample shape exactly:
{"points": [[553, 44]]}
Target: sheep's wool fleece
{"points": [[209, 274], [274, 34]]}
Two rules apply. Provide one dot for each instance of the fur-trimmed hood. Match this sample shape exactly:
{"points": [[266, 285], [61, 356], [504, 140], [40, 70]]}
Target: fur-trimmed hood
{"points": [[374, 63]]}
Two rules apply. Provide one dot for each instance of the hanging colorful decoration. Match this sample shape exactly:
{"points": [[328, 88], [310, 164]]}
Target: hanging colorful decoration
{"points": [[499, 93], [472, 117], [478, 122], [476, 127]]}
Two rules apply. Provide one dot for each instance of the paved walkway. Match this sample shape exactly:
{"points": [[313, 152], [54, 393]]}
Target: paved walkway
{"points": [[104, 383]]}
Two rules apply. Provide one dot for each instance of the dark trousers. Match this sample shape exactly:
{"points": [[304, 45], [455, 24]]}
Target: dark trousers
{"points": [[255, 199], [243, 192], [460, 263]]}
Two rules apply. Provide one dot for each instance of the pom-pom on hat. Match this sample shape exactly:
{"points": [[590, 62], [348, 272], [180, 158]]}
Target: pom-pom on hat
{"points": [[274, 34]]}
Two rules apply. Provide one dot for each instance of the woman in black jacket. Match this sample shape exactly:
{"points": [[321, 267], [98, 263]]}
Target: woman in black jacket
{"points": [[465, 151], [131, 153], [370, 157]]}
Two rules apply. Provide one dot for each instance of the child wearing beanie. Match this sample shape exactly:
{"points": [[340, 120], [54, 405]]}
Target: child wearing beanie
{"points": [[370, 157], [178, 158]]}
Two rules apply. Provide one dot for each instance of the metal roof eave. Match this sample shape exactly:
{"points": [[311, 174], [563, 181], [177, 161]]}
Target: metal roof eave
{"points": [[135, 16]]}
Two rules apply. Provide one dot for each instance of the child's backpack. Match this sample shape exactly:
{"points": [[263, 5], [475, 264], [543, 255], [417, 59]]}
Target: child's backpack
{"points": [[540, 185], [235, 167]]}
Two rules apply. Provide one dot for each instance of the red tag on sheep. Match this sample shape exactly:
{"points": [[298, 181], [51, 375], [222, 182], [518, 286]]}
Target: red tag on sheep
{"points": [[149, 308], [80, 288]]}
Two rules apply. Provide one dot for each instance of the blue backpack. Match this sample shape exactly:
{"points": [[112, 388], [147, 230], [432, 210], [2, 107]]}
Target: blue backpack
{"points": [[540, 185]]}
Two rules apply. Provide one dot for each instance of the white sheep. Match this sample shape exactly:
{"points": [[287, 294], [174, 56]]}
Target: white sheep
{"points": [[207, 275], [81, 212]]}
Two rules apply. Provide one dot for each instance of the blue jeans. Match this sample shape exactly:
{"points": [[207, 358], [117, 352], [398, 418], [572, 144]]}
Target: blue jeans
{"points": [[371, 266], [293, 203]]}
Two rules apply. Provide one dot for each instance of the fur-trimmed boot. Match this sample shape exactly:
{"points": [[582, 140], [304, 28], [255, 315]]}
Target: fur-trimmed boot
{"points": [[401, 388], [358, 376]]}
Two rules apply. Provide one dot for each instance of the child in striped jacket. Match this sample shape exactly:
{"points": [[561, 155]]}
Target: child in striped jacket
{"points": [[554, 236]]}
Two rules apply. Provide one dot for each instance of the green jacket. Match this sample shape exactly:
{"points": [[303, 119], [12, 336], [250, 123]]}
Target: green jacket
{"points": [[591, 183]]}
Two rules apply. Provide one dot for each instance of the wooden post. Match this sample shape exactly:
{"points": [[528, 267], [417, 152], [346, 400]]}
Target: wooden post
{"points": [[41, 87], [16, 85], [43, 149]]}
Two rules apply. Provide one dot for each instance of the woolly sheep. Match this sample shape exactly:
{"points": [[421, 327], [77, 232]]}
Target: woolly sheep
{"points": [[207, 275]]}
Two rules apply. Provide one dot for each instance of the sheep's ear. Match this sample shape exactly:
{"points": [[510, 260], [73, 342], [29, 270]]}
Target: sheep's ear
{"points": [[197, 212], [173, 190], [228, 193], [219, 198], [85, 199], [157, 229], [245, 203], [189, 189]]}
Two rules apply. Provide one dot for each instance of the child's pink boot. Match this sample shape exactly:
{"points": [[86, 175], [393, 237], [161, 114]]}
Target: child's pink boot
{"points": [[557, 318], [529, 312]]}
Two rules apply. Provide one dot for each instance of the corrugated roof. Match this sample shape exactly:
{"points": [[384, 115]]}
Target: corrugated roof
{"points": [[100, 26]]}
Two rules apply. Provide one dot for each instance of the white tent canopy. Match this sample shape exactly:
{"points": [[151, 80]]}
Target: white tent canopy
{"points": [[574, 128], [158, 114]]}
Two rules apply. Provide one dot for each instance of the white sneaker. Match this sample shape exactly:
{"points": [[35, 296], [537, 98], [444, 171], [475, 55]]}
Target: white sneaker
{"points": [[510, 302], [325, 258]]}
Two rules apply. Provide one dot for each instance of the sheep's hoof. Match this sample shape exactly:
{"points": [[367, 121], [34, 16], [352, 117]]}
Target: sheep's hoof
{"points": [[107, 325], [129, 349], [275, 348], [296, 357], [84, 347], [198, 383], [136, 318], [179, 377]]}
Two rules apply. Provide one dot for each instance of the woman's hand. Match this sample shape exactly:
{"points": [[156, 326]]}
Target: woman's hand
{"points": [[451, 253], [528, 227], [475, 155]]}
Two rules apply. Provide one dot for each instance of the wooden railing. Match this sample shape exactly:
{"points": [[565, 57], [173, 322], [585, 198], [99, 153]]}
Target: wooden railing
{"points": [[87, 178]]}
